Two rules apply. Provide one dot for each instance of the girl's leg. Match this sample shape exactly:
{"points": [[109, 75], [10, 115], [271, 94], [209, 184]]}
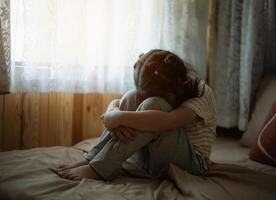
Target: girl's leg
{"points": [[108, 161], [127, 102], [168, 147], [154, 151], [172, 147]]}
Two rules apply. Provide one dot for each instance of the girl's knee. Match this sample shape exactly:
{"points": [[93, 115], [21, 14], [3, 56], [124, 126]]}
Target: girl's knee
{"points": [[155, 103], [129, 101]]}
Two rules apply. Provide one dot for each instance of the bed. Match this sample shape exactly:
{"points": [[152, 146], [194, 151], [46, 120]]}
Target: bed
{"points": [[25, 174]]}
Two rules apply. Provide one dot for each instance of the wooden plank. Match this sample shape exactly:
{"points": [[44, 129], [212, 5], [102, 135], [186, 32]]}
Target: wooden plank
{"points": [[77, 133], [60, 119], [66, 101], [31, 120], [52, 135], [44, 139], [92, 110], [1, 121], [12, 121]]}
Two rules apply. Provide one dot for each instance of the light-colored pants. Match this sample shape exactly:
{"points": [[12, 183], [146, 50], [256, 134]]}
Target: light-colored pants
{"points": [[152, 151]]}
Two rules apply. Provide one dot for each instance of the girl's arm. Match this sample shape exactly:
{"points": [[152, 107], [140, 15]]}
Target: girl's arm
{"points": [[113, 105], [150, 120], [122, 133]]}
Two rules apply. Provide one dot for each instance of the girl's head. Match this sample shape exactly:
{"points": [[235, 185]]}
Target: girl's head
{"points": [[162, 73]]}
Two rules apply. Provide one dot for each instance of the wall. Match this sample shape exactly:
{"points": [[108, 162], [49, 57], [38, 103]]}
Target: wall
{"points": [[30, 120]]}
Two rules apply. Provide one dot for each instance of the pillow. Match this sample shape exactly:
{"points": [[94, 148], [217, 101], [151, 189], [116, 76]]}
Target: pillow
{"points": [[266, 95], [264, 149]]}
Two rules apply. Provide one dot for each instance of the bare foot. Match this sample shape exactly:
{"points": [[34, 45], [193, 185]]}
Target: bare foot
{"points": [[77, 164], [78, 173]]}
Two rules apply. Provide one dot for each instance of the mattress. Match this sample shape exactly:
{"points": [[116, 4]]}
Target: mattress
{"points": [[229, 150], [25, 174]]}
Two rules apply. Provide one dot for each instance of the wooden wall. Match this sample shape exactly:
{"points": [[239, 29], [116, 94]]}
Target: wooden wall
{"points": [[30, 120]]}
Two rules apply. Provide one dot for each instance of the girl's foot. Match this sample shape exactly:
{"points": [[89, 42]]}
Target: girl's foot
{"points": [[78, 173]]}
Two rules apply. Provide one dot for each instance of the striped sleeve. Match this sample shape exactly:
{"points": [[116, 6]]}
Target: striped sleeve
{"points": [[203, 106]]}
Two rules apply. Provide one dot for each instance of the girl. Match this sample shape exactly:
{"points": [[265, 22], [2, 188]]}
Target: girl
{"points": [[168, 118]]}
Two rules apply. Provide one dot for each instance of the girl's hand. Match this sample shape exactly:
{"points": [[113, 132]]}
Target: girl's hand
{"points": [[122, 133], [111, 110], [111, 119]]}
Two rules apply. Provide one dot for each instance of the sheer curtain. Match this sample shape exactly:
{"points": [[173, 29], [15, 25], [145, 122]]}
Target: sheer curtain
{"points": [[85, 46], [246, 44]]}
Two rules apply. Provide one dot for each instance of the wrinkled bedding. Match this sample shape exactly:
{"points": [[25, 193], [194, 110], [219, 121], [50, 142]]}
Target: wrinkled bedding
{"points": [[25, 174]]}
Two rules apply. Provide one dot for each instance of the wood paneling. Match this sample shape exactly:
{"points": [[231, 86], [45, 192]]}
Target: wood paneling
{"points": [[31, 120], [12, 122], [60, 119], [44, 135], [92, 110], [77, 118], [48, 119], [1, 120]]}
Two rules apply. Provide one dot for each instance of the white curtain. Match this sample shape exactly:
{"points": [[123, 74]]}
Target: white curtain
{"points": [[246, 44], [85, 46]]}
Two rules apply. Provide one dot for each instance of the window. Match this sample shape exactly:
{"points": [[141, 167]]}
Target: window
{"points": [[84, 46]]}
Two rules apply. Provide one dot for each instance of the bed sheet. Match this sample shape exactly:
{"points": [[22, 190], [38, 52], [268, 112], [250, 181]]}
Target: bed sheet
{"points": [[25, 174]]}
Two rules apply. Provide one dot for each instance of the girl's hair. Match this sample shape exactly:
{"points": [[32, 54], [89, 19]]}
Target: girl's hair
{"points": [[162, 73]]}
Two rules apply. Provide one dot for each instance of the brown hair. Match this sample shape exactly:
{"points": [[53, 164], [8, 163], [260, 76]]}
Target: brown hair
{"points": [[162, 73]]}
